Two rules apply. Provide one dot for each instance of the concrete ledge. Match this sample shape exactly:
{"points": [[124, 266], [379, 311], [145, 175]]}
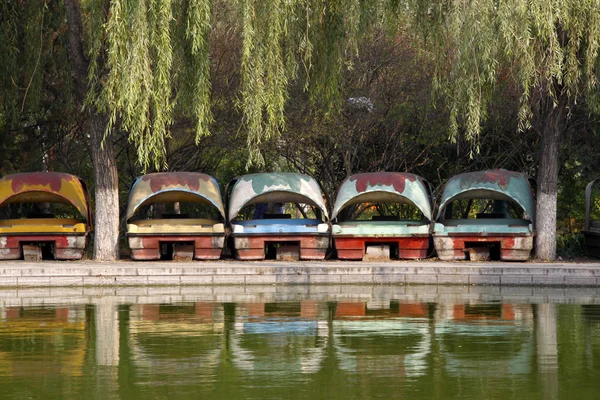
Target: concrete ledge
{"points": [[22, 274]]}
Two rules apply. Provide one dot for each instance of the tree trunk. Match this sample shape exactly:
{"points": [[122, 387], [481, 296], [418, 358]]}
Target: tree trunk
{"points": [[106, 227], [106, 217], [553, 124]]}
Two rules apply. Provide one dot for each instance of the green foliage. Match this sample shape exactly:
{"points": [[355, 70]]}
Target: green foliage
{"points": [[162, 56], [278, 38], [546, 47], [138, 91], [8, 63], [403, 212], [570, 245], [197, 65], [129, 87], [264, 76], [270, 81]]}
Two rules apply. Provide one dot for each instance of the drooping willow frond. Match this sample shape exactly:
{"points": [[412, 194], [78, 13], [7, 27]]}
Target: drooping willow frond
{"points": [[8, 62], [265, 77], [95, 40], [162, 56], [548, 47], [198, 27], [137, 92]]}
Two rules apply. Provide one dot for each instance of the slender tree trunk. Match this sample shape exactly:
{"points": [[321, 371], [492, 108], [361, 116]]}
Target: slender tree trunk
{"points": [[553, 125], [106, 240]]}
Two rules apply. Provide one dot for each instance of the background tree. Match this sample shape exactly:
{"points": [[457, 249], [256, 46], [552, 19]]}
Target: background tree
{"points": [[222, 86], [549, 49]]}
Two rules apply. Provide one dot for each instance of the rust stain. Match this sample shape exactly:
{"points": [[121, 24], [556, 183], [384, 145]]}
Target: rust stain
{"points": [[508, 243], [501, 177], [161, 180], [397, 180], [54, 180]]}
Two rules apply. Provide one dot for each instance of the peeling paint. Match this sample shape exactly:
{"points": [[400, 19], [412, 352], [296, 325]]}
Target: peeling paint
{"points": [[366, 180], [401, 187], [500, 177], [45, 187], [188, 186], [249, 187], [160, 181], [489, 184]]}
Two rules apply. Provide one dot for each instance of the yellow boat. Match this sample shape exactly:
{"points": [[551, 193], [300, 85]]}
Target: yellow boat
{"points": [[25, 237]]}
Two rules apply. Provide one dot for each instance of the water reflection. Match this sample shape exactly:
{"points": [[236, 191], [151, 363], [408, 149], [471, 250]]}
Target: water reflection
{"points": [[169, 343], [42, 341], [384, 339], [280, 339], [485, 339], [302, 349]]}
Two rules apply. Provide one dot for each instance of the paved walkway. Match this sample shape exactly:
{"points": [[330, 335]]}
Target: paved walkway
{"points": [[21, 274]]}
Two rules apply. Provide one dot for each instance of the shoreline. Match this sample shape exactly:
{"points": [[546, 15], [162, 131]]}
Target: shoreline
{"points": [[371, 294], [24, 274]]}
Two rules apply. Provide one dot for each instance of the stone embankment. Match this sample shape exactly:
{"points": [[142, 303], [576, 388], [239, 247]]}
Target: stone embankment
{"points": [[22, 274]]}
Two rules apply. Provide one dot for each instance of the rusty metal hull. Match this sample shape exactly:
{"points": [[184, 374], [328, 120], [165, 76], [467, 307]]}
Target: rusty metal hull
{"points": [[252, 247], [65, 247], [198, 247], [512, 247], [354, 247], [592, 243]]}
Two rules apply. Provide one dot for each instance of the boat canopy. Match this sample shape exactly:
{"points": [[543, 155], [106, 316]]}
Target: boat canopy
{"points": [[497, 184], [46, 187], [384, 187], [280, 187], [168, 187]]}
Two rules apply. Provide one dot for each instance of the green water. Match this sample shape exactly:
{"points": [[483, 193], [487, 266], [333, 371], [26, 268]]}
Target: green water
{"points": [[305, 349]]}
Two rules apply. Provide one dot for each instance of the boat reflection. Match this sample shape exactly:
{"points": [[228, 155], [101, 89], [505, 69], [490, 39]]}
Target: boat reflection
{"points": [[167, 339], [485, 339], [385, 339], [46, 341], [280, 338], [229, 348]]}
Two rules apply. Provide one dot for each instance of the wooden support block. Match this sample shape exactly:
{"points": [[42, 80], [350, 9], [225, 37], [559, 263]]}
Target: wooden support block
{"points": [[478, 253], [377, 252], [183, 251], [32, 252], [287, 252]]}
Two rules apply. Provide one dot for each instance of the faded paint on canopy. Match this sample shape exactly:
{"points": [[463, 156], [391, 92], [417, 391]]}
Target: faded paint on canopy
{"points": [[384, 187], [168, 187], [46, 187], [497, 184], [275, 187]]}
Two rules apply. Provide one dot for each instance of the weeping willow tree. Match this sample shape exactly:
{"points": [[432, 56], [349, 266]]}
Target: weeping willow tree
{"points": [[149, 62], [548, 49], [137, 66], [140, 64]]}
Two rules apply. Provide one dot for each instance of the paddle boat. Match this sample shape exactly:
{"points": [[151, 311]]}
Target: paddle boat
{"points": [[278, 215], [382, 214], [485, 214], [178, 215], [46, 215]]}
